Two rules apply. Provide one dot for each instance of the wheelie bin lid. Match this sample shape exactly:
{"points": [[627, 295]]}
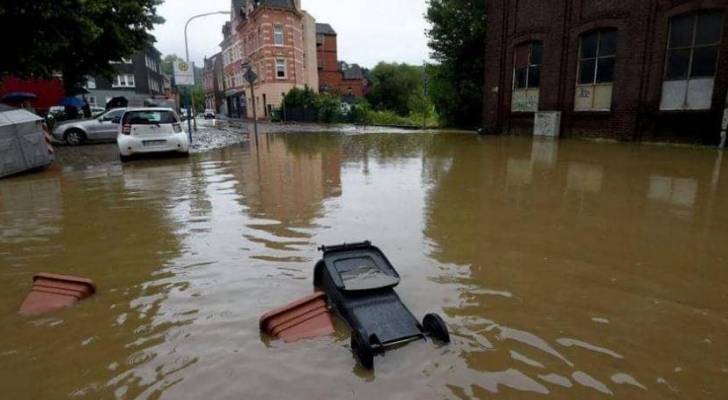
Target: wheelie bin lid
{"points": [[358, 267]]}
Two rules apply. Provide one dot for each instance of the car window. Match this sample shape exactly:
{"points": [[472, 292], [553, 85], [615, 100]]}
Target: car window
{"points": [[149, 117], [113, 114]]}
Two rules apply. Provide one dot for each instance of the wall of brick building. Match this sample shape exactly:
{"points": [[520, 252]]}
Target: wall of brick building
{"points": [[330, 75], [642, 34], [253, 42], [328, 62]]}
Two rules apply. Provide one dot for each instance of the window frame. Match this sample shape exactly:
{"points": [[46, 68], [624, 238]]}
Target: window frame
{"points": [[594, 84], [529, 65], [694, 15], [528, 89], [279, 34], [126, 82], [596, 58], [284, 64]]}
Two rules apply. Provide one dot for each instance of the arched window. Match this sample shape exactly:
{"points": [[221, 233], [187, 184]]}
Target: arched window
{"points": [[691, 61], [595, 76], [528, 59]]}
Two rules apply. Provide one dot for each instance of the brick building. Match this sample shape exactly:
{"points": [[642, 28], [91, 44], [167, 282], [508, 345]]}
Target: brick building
{"points": [[628, 69], [336, 76], [212, 82], [277, 39]]}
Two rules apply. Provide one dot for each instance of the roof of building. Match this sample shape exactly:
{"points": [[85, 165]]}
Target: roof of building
{"points": [[326, 29], [353, 72], [277, 3]]}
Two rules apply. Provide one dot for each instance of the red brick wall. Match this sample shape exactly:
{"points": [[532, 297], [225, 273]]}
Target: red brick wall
{"points": [[641, 49], [328, 63]]}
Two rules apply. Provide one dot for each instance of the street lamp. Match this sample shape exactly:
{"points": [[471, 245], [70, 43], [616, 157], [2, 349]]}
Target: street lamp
{"points": [[187, 59]]}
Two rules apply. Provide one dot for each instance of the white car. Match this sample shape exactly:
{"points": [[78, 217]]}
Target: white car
{"points": [[151, 130]]}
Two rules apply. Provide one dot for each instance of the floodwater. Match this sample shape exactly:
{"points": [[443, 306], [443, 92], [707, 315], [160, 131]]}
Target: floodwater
{"points": [[566, 269]]}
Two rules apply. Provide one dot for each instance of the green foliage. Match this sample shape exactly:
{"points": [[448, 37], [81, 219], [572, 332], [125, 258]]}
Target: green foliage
{"points": [[168, 63], [387, 118], [75, 37], [330, 109], [391, 86], [360, 112], [421, 106], [457, 40], [300, 98]]}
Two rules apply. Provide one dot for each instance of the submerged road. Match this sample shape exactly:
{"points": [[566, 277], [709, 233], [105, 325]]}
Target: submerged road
{"points": [[564, 269]]}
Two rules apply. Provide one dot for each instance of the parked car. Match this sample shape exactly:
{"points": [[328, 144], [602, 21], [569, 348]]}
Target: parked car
{"points": [[97, 111], [103, 128], [209, 113], [151, 130]]}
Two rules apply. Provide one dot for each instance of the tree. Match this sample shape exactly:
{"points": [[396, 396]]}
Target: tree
{"points": [[392, 85], [421, 107], [74, 37], [457, 41], [168, 64]]}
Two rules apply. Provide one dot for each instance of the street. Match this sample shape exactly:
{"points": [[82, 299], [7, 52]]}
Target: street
{"points": [[188, 252]]}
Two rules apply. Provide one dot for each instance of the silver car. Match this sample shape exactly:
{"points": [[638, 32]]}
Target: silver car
{"points": [[104, 128]]}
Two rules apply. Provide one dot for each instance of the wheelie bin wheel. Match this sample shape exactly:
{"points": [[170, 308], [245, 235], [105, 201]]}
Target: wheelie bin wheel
{"points": [[362, 350], [435, 326]]}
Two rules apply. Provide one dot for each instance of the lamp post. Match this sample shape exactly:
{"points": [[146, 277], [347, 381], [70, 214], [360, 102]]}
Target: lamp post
{"points": [[187, 59]]}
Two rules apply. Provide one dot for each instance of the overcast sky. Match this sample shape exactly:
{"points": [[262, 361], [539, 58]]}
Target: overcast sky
{"points": [[369, 31]]}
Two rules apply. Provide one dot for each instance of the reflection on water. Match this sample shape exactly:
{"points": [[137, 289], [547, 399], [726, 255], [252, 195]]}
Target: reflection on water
{"points": [[564, 269]]}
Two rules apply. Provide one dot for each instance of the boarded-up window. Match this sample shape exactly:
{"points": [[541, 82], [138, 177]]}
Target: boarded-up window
{"points": [[528, 59], [691, 61], [595, 76]]}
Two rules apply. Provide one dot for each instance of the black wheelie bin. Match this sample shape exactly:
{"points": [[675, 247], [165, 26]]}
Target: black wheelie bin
{"points": [[358, 280]]}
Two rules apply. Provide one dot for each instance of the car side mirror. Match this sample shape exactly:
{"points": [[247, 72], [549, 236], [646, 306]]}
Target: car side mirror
{"points": [[116, 120]]}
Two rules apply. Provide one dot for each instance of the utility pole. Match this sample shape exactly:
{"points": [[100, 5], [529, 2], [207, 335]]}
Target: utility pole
{"points": [[425, 82]]}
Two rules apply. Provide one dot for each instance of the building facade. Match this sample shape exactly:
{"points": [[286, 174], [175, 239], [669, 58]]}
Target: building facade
{"points": [[336, 76], [276, 38], [212, 82], [139, 80], [629, 69]]}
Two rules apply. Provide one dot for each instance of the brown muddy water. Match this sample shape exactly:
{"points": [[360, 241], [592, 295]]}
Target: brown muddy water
{"points": [[564, 269]]}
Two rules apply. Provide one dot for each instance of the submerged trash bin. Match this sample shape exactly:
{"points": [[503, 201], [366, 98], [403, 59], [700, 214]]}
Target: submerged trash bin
{"points": [[359, 281], [304, 318], [51, 292], [23, 142]]}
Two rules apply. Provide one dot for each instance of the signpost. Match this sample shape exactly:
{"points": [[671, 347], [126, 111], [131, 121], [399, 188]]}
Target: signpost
{"points": [[184, 76], [251, 77]]}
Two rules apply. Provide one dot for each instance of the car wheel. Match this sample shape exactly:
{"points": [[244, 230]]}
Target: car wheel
{"points": [[362, 350], [435, 326], [74, 137]]}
